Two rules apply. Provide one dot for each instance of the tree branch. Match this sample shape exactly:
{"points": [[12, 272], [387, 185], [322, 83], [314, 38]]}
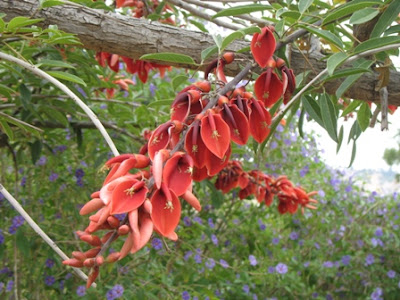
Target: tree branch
{"points": [[104, 32], [35, 70], [38, 230]]}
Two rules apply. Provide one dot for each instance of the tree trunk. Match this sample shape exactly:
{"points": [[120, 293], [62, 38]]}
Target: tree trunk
{"points": [[128, 36]]}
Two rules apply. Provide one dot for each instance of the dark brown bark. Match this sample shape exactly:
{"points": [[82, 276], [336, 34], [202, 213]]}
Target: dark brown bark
{"points": [[105, 31]]}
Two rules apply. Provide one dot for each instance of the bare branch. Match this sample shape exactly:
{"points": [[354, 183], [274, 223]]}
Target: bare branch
{"points": [[203, 15]]}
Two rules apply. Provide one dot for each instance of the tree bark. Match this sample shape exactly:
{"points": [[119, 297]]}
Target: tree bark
{"points": [[127, 36]]}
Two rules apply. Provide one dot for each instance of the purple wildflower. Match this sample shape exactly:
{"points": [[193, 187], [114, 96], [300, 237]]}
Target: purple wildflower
{"points": [[81, 291], [294, 235], [49, 280], [10, 285], [327, 264], [223, 263], [188, 254], [18, 221], [49, 263], [377, 293], [281, 268], [271, 270], [253, 260], [185, 295], [214, 239], [379, 232], [210, 263], [369, 260], [187, 221], [346, 260], [53, 176], [156, 243], [246, 289], [391, 274], [118, 291]]}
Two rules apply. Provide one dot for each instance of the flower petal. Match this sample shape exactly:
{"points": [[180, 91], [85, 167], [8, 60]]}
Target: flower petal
{"points": [[126, 197], [263, 46], [177, 173], [215, 134], [268, 88]]}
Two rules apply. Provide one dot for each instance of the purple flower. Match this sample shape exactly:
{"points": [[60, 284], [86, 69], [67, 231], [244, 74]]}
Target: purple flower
{"points": [[197, 258], [223, 263], [273, 145], [348, 188], [246, 289], [81, 291], [187, 221], [210, 263], [346, 260], [53, 176], [271, 270], [156, 244], [185, 295], [49, 280], [294, 235], [327, 264], [369, 260], [23, 181], [18, 221], [306, 264], [281, 268], [188, 254], [118, 291], [49, 263], [79, 173], [275, 241], [152, 89], [42, 161], [378, 232], [214, 239], [1, 287], [10, 285], [1, 237], [317, 245], [314, 295], [12, 229], [253, 260], [211, 223], [198, 220], [391, 274], [377, 293], [303, 172]]}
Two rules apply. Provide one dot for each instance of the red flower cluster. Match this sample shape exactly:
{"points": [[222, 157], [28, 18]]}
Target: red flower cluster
{"points": [[264, 187], [194, 144]]}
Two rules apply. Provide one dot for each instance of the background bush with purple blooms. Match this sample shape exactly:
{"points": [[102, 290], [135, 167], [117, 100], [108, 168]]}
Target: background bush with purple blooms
{"points": [[232, 249]]}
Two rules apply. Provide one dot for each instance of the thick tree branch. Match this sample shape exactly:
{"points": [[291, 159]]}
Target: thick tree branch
{"points": [[105, 31]]}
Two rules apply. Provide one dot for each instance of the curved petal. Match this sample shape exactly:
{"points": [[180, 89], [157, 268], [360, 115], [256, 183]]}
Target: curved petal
{"points": [[195, 146], [263, 46], [166, 212], [126, 197], [177, 173], [259, 120], [268, 88], [215, 134], [159, 139], [239, 133], [215, 164]]}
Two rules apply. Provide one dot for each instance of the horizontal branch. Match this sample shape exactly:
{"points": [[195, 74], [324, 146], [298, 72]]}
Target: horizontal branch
{"points": [[102, 31]]}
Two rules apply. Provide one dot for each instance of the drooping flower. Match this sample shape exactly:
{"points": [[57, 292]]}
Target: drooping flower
{"points": [[263, 46]]}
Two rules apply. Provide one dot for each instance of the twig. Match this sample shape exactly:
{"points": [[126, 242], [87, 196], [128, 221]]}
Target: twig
{"points": [[38, 230], [383, 93], [323, 72], [203, 15], [374, 117], [217, 9], [66, 90]]}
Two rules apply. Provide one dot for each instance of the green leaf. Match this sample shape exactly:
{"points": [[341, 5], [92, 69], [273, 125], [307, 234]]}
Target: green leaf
{"points": [[54, 63], [22, 243], [217, 40], [351, 107], [199, 25], [329, 116], [292, 14], [230, 38], [250, 30], [7, 130], [50, 3], [363, 116], [21, 124], [169, 57], [348, 82], [376, 43], [353, 153], [335, 60], [325, 34], [312, 108], [54, 114], [6, 91], [304, 5], [178, 80], [36, 150], [301, 122], [340, 139], [347, 9], [19, 22], [363, 15], [25, 96], [355, 132], [206, 53], [346, 73], [388, 17], [241, 10], [2, 25], [160, 103], [66, 76]]}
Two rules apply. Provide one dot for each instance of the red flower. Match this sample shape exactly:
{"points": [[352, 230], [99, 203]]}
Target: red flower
{"points": [[259, 120], [215, 134], [263, 46], [166, 210], [163, 135], [177, 174], [268, 88]]}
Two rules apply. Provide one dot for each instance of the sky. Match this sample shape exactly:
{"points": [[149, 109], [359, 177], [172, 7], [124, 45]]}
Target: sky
{"points": [[370, 145]]}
